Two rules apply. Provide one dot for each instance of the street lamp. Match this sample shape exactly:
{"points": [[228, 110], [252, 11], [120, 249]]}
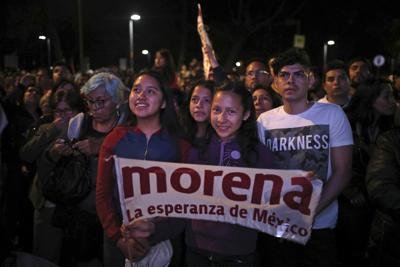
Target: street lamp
{"points": [[134, 17], [330, 42], [43, 37], [146, 53]]}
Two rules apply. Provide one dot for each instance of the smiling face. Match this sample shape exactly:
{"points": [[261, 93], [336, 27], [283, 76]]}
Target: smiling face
{"points": [[146, 98], [227, 114], [200, 104]]}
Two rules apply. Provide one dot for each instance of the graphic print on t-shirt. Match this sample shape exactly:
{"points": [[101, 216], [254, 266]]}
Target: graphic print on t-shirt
{"points": [[305, 148]]}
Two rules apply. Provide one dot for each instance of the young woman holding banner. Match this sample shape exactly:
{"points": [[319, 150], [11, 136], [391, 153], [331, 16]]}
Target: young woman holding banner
{"points": [[150, 135]]}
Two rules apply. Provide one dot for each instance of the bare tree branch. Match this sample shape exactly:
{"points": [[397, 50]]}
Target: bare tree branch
{"points": [[299, 8], [269, 20], [231, 13]]}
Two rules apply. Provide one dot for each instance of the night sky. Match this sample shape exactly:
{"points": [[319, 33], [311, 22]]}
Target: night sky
{"points": [[358, 28]]}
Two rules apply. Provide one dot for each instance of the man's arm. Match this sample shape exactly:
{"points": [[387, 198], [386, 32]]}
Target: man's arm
{"points": [[341, 159]]}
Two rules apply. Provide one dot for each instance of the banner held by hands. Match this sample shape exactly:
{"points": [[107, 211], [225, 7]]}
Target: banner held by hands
{"points": [[278, 202]]}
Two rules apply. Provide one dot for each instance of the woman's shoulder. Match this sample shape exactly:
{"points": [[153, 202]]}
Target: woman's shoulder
{"points": [[117, 133]]}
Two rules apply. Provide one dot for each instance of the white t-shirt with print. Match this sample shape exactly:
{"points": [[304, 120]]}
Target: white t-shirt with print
{"points": [[303, 141]]}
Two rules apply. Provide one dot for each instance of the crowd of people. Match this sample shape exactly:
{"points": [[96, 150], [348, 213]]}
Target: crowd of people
{"points": [[228, 119]]}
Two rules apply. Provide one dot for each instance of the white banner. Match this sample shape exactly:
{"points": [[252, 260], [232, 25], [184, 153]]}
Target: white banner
{"points": [[278, 202]]}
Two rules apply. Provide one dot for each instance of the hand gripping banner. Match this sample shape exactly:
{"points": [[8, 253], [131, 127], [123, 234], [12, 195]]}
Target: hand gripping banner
{"points": [[277, 202]]}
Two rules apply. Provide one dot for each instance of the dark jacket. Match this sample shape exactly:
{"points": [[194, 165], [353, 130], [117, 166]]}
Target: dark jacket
{"points": [[361, 155], [127, 142], [383, 185], [224, 238], [41, 138], [383, 174]]}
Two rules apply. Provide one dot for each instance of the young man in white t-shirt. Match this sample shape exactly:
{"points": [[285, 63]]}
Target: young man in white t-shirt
{"points": [[310, 136]]}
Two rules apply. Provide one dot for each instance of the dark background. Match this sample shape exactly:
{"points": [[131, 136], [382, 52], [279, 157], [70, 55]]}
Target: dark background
{"points": [[239, 30]]}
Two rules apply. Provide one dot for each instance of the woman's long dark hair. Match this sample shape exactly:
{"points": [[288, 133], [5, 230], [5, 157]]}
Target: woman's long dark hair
{"points": [[247, 134], [168, 71], [361, 111], [188, 123], [168, 117]]}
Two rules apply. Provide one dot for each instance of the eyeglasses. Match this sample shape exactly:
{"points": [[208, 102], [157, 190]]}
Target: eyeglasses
{"points": [[298, 75], [98, 103], [257, 73]]}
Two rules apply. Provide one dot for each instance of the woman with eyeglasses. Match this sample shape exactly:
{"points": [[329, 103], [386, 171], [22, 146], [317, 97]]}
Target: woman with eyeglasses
{"points": [[104, 94]]}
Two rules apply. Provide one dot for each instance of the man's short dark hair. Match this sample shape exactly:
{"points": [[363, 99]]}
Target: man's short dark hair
{"points": [[291, 57], [335, 65], [253, 60], [62, 64], [362, 59]]}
